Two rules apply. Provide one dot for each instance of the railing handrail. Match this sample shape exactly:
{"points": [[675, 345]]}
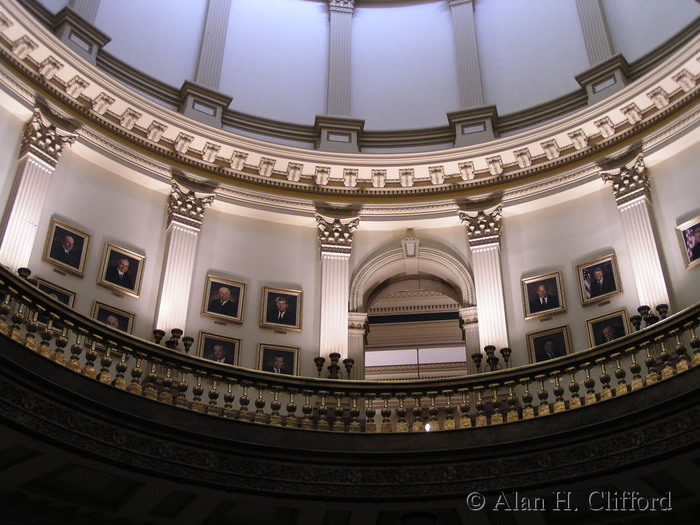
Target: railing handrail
{"points": [[22, 289]]}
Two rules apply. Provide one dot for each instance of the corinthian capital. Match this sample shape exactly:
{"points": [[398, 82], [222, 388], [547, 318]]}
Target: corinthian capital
{"points": [[483, 226], [335, 234], [628, 176], [341, 6], [186, 205], [47, 133]]}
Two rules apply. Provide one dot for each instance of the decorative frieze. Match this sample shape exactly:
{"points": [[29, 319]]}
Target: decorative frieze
{"points": [[294, 170], [483, 226], [629, 180], [186, 206], [155, 131], [341, 6], [101, 103], [335, 234], [49, 67], [406, 177]]}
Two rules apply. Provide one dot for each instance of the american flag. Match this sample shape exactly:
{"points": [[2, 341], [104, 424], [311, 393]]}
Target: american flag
{"points": [[587, 278]]}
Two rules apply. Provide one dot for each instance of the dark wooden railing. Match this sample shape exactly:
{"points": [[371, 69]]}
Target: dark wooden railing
{"points": [[167, 374]]}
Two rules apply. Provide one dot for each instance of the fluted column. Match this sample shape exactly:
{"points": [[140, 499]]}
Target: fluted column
{"points": [[468, 66], [185, 214], [87, 9], [484, 233], [335, 237], [340, 35], [357, 333], [630, 186], [211, 51], [469, 323], [595, 31], [43, 140]]}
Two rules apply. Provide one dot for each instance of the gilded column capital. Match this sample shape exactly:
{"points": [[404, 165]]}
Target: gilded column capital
{"points": [[341, 6], [628, 176], [186, 205], [47, 133], [483, 226], [335, 234]]}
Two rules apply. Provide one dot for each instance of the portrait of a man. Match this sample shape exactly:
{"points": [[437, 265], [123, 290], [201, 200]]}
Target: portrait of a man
{"points": [[542, 295], [599, 278], [281, 308], [549, 344], [121, 270], [66, 247], [113, 317], [278, 359], [608, 327], [223, 298], [219, 348]]}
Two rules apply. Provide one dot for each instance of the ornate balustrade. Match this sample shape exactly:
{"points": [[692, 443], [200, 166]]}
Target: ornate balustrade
{"points": [[167, 374]]}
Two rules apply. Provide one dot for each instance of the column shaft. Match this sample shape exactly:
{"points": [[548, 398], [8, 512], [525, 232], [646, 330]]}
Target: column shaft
{"points": [[468, 65], [644, 255], [335, 286], [340, 36], [489, 296], [27, 200], [87, 9], [595, 31], [211, 51]]}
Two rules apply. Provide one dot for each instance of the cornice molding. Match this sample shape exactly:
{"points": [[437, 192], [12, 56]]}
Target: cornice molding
{"points": [[526, 159]]}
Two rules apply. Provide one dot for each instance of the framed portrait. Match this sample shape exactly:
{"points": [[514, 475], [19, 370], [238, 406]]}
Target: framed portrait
{"points": [[278, 359], [549, 344], [121, 270], [689, 239], [280, 308], [114, 317], [66, 247], [219, 348], [223, 299], [543, 295], [605, 328], [58, 293], [598, 279]]}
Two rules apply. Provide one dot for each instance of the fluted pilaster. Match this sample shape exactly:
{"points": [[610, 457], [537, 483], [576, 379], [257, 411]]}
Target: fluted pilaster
{"points": [[357, 333], [211, 51], [335, 239], [87, 9], [595, 31], [468, 66], [631, 188], [43, 140], [185, 214], [340, 36], [484, 234]]}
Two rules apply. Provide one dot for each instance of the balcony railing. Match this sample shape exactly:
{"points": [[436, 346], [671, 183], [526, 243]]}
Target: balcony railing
{"points": [[167, 374]]}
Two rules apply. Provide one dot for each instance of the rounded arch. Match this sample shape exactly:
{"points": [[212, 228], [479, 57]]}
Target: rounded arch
{"points": [[390, 265]]}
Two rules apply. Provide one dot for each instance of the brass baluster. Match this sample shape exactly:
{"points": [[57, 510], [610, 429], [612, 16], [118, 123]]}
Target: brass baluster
{"points": [[559, 404], [694, 344], [449, 421], [635, 368], [59, 355], [355, 413], [512, 401], [620, 374], [182, 388], [75, 350], [275, 405], [432, 412], [370, 412], [121, 367], [481, 419], [338, 412], [151, 379], [683, 361], [666, 369], [229, 398], [589, 383], [90, 357], [574, 387], [105, 363], [165, 395], [650, 361], [197, 393], [322, 423], [136, 372], [418, 425], [465, 419], [401, 412], [307, 410], [386, 413], [46, 336], [244, 401], [17, 319], [213, 408], [291, 409], [528, 409], [260, 405], [5, 309], [606, 392], [497, 415], [542, 394], [32, 326]]}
